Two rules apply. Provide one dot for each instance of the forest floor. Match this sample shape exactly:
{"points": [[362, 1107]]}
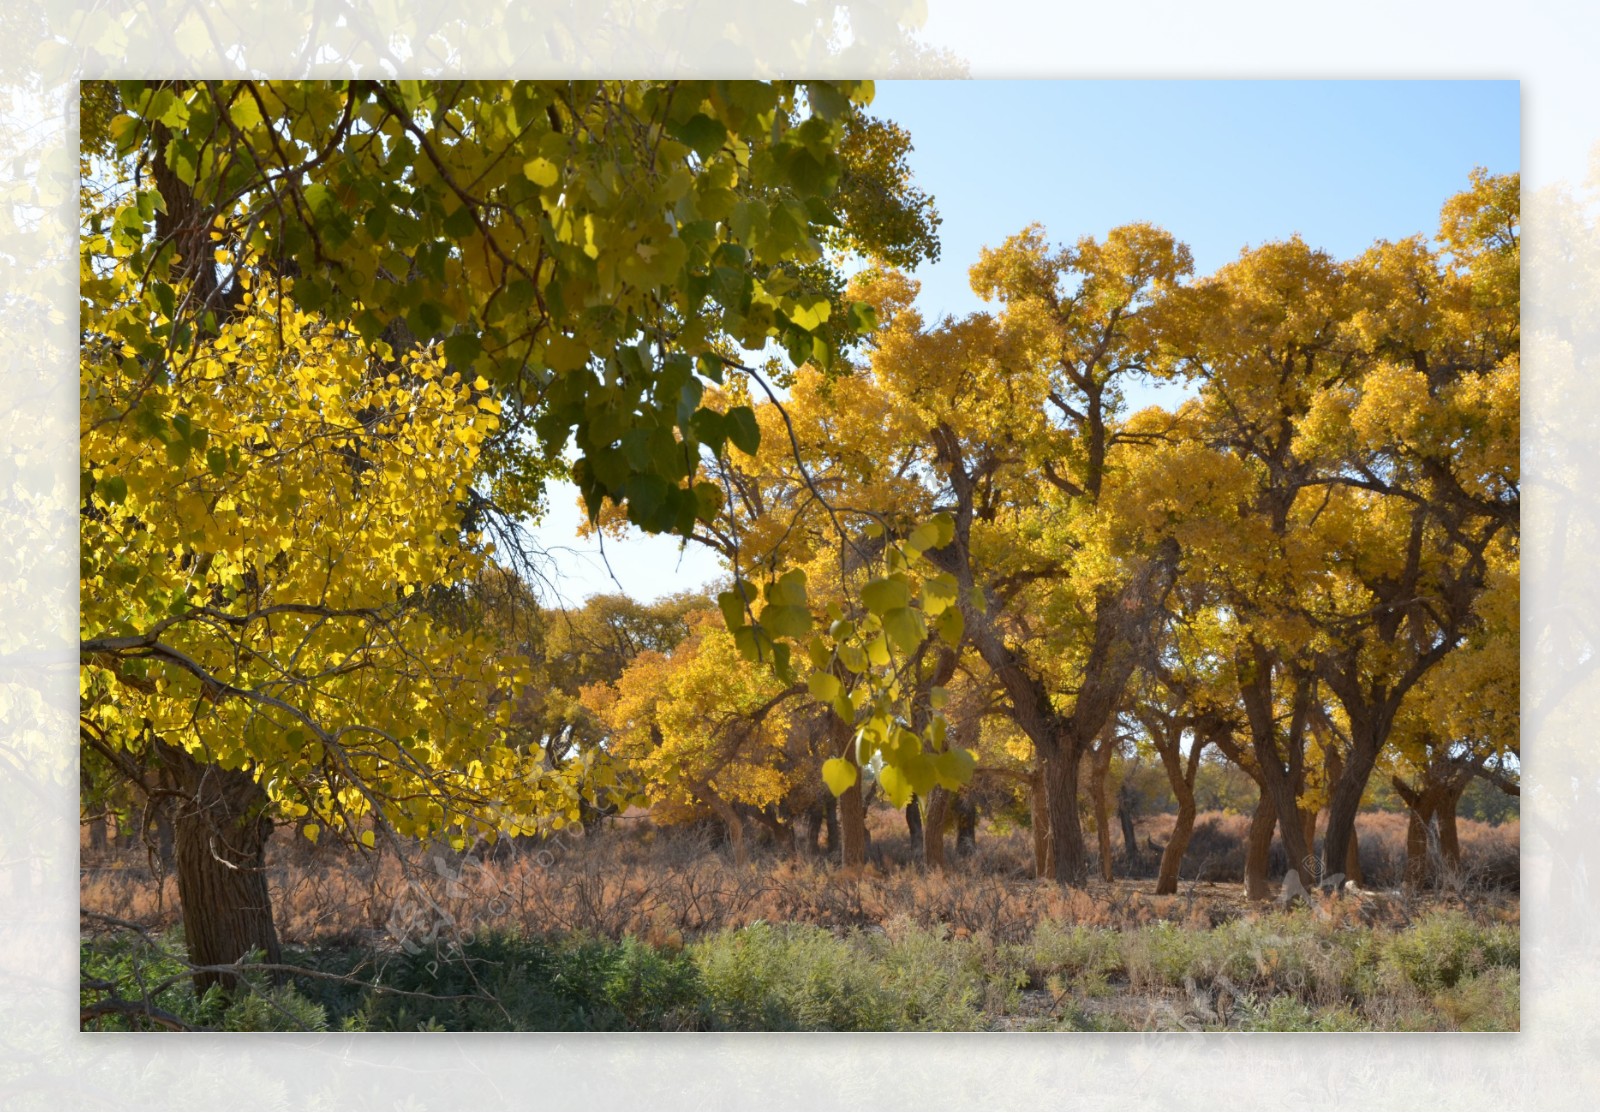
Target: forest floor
{"points": [[659, 930]]}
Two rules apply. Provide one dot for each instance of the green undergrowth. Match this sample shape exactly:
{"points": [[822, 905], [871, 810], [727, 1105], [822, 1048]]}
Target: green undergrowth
{"points": [[1284, 972]]}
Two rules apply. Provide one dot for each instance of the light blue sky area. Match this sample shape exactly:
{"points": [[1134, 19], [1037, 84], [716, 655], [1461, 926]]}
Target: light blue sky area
{"points": [[1222, 165]]}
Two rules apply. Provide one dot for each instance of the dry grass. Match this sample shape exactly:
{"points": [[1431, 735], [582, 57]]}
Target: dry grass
{"points": [[670, 887]]}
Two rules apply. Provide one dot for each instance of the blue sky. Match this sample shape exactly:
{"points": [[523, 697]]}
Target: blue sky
{"points": [[1220, 164]]}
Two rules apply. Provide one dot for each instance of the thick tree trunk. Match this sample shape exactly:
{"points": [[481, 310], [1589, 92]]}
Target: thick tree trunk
{"points": [[814, 821], [1172, 856], [1449, 839], [1099, 766], [1041, 825], [1352, 859], [1130, 836], [1068, 861], [852, 804], [1421, 843], [1291, 826], [1258, 850], [966, 824], [933, 829], [220, 832], [914, 822], [1344, 802], [97, 833], [830, 819]]}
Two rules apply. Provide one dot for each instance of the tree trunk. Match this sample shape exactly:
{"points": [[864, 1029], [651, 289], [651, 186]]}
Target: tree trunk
{"points": [[1449, 839], [97, 833], [1308, 820], [814, 820], [1345, 801], [966, 824], [914, 822], [1172, 857], [166, 837], [1352, 860], [1258, 850], [830, 820], [1130, 837], [1417, 876], [220, 832], [732, 823], [1099, 766], [1041, 825], [852, 805], [1291, 826], [1068, 861], [782, 832], [933, 828]]}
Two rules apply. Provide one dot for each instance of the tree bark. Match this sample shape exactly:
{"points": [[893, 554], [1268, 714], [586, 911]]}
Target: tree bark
{"points": [[966, 824], [1068, 863], [1352, 860], [220, 831], [1041, 825], [732, 823], [782, 832], [814, 821], [1449, 838], [1099, 766], [1130, 836], [852, 805], [914, 822], [933, 828], [1345, 799], [830, 820], [1258, 850], [97, 833]]}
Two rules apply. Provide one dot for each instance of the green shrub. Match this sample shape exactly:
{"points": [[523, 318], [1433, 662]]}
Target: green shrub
{"points": [[273, 1009], [1489, 1002], [1441, 949]]}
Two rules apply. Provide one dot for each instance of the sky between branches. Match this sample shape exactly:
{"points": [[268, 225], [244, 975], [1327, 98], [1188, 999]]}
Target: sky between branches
{"points": [[1220, 164]]}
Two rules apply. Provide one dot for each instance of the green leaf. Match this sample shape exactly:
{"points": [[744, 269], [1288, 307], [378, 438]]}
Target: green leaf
{"points": [[824, 686], [112, 490], [819, 653], [732, 604], [905, 628], [811, 314], [743, 430], [951, 626], [853, 658], [780, 663], [784, 621], [789, 589], [703, 134], [461, 349], [954, 767], [939, 593], [920, 773], [878, 652], [896, 785], [935, 533], [839, 775], [754, 644], [541, 172], [886, 594], [826, 100]]}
